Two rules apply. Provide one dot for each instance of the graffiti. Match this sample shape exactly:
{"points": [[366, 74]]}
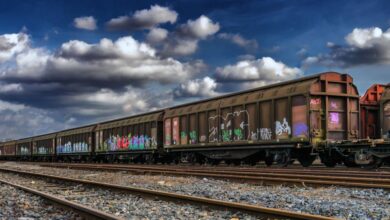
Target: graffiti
{"points": [[300, 130], [70, 147], [203, 138], [43, 150], [265, 133], [193, 137], [316, 101], [226, 126], [24, 150], [282, 130], [183, 137], [334, 118], [238, 134], [129, 142]]}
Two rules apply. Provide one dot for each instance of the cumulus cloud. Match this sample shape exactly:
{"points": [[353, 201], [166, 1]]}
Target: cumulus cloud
{"points": [[205, 87], [86, 23], [12, 44], [143, 19], [200, 28], [107, 63], [157, 35], [265, 70], [184, 40], [367, 46], [240, 41]]}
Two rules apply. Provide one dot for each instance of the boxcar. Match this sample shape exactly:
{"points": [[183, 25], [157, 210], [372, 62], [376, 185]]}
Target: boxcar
{"points": [[76, 143], [275, 123], [369, 112], [43, 147], [24, 148], [385, 113], [7, 150], [136, 138]]}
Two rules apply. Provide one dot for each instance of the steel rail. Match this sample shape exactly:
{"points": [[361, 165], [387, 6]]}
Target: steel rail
{"points": [[256, 209], [255, 177], [81, 209]]}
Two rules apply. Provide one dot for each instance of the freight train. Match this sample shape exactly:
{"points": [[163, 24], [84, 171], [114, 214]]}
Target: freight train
{"points": [[315, 116]]}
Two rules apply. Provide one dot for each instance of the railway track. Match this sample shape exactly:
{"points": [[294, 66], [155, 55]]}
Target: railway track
{"points": [[86, 212], [226, 205], [253, 175]]}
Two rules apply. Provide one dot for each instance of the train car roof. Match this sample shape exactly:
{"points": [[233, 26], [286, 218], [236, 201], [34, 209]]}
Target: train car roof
{"points": [[284, 83]]}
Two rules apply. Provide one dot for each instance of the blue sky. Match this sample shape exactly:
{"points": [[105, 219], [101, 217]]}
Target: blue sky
{"points": [[67, 63]]}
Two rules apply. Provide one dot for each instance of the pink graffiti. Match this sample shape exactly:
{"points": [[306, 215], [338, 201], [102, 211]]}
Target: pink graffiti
{"points": [[334, 118]]}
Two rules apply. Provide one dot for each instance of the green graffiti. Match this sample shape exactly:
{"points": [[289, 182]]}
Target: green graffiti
{"points": [[130, 143], [238, 134], [193, 137], [226, 135], [183, 134]]}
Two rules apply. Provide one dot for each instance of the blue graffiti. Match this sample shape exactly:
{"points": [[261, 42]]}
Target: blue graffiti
{"points": [[300, 130]]}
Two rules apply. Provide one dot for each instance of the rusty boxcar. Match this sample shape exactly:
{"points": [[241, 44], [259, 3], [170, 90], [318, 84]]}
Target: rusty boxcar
{"points": [[274, 123], [369, 112], [385, 112], [75, 143], [7, 149], [138, 137], [43, 147], [24, 148]]}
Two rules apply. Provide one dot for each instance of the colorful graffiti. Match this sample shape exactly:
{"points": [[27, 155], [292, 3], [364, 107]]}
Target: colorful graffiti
{"points": [[70, 147], [43, 150], [226, 126], [300, 130], [129, 142], [282, 129], [193, 137]]}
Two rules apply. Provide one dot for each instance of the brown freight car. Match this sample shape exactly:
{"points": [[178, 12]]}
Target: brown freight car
{"points": [[369, 112], [385, 112], [7, 150], [43, 147], [274, 123], [137, 138], [24, 148], [76, 143]]}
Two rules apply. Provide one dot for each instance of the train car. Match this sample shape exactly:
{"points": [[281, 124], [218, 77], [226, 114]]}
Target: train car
{"points": [[385, 113], [43, 147], [137, 138], [76, 144], [369, 112], [24, 149], [367, 152], [7, 150], [274, 123]]}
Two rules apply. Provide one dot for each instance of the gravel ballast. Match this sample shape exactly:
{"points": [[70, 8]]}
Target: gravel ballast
{"points": [[17, 204], [340, 202]]}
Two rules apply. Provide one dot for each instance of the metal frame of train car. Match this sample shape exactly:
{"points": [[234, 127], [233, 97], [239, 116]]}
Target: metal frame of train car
{"points": [[7, 150], [76, 144], [24, 149], [136, 138], [368, 153], [370, 112], [43, 147], [288, 119]]}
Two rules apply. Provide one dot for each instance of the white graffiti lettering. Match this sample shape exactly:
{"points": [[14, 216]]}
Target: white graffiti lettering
{"points": [[282, 128]]}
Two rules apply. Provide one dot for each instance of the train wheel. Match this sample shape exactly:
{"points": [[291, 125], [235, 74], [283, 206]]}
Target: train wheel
{"points": [[350, 161], [307, 160], [269, 161]]}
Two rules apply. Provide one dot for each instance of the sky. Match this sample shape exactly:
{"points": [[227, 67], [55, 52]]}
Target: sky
{"points": [[69, 63]]}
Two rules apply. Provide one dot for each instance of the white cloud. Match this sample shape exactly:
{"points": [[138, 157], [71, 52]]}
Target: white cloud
{"points": [[200, 28], [261, 71], [240, 41], [86, 23], [143, 19], [184, 40], [365, 46], [10, 88], [12, 44], [10, 106], [124, 61], [197, 88], [157, 35]]}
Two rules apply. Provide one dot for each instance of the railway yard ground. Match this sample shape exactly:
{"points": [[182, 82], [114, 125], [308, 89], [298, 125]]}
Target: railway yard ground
{"points": [[134, 201]]}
